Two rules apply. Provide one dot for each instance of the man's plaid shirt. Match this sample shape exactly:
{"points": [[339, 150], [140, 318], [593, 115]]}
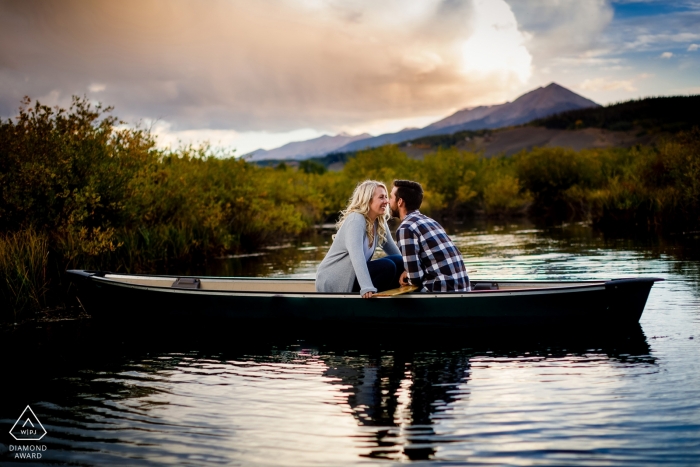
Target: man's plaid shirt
{"points": [[430, 257]]}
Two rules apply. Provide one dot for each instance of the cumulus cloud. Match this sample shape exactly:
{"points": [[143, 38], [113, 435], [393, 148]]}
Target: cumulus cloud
{"points": [[666, 55], [277, 65], [693, 47], [564, 29]]}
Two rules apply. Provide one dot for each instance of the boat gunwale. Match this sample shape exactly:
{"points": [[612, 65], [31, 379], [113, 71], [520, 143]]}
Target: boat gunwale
{"points": [[582, 286]]}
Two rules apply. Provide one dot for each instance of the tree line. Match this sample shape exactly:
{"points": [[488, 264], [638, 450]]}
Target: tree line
{"points": [[80, 189]]}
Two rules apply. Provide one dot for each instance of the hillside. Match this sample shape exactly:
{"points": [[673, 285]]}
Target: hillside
{"points": [[509, 141], [650, 115]]}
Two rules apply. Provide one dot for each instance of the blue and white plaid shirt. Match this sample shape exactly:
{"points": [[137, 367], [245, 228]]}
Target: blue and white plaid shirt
{"points": [[430, 257]]}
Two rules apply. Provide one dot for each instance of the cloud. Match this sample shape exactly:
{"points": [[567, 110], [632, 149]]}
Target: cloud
{"points": [[278, 65], [693, 91], [651, 33], [563, 29], [693, 47], [606, 84], [666, 55], [609, 84]]}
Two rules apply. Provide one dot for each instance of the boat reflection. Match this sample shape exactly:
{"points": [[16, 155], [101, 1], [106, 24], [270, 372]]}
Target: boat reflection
{"points": [[402, 389], [398, 390]]}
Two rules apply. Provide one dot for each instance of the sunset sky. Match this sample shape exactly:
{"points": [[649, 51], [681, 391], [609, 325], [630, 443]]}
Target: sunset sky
{"points": [[258, 74]]}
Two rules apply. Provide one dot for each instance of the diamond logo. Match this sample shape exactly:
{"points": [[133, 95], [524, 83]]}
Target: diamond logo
{"points": [[28, 427]]}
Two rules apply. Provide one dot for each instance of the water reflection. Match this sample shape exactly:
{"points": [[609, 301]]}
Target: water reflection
{"points": [[507, 251], [201, 396], [189, 395], [398, 394]]}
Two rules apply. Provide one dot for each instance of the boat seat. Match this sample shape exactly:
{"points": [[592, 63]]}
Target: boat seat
{"points": [[484, 285], [186, 283]]}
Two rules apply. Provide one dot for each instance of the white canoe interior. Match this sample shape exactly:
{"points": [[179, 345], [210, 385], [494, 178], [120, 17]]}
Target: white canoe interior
{"points": [[308, 285], [215, 284]]}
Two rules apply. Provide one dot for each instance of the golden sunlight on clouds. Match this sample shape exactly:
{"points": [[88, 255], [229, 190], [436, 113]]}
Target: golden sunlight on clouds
{"points": [[496, 48], [277, 66]]}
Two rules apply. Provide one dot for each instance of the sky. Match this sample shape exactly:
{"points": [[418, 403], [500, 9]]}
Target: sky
{"points": [[247, 74]]}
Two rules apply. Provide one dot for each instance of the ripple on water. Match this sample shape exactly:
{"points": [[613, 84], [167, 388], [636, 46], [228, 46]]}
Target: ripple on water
{"points": [[305, 399]]}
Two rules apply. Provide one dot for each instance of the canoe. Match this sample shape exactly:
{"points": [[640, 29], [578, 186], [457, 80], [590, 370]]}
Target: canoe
{"points": [[276, 300]]}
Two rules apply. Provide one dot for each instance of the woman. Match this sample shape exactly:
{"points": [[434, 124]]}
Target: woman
{"points": [[362, 226]]}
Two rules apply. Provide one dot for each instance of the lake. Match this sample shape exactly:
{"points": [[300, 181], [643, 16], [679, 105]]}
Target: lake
{"points": [[203, 396]]}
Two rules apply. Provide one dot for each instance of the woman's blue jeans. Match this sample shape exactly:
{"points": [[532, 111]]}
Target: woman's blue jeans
{"points": [[384, 272]]}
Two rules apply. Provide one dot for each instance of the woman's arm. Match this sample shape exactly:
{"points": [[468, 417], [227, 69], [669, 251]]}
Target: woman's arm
{"points": [[389, 246], [354, 238]]}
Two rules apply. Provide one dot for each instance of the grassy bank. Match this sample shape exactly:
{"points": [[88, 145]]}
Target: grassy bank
{"points": [[23, 268], [78, 189]]}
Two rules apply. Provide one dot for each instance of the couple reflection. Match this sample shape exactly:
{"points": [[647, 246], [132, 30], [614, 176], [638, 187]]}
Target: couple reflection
{"points": [[399, 396]]}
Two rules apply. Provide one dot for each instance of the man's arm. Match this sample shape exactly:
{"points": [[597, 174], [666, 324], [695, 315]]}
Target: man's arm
{"points": [[410, 250]]}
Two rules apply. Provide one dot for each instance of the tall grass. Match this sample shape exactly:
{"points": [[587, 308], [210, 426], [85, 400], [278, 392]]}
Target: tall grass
{"points": [[23, 268]]}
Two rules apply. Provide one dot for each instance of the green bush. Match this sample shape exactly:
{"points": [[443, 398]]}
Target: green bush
{"points": [[552, 175], [103, 197], [449, 178], [657, 189], [310, 166]]}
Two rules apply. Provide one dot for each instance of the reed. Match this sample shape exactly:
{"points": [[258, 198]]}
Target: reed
{"points": [[23, 268]]}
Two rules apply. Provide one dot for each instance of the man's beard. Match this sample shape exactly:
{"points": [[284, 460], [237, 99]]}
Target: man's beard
{"points": [[394, 213]]}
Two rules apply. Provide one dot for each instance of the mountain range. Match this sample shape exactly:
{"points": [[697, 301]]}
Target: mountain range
{"points": [[316, 147], [539, 103]]}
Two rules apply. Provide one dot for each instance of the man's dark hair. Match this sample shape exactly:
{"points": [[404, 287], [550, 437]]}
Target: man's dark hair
{"points": [[410, 192]]}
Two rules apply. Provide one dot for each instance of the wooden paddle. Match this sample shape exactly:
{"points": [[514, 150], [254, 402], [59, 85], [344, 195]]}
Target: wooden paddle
{"points": [[400, 291]]}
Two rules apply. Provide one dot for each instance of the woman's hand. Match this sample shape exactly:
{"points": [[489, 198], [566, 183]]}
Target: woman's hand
{"points": [[368, 295]]}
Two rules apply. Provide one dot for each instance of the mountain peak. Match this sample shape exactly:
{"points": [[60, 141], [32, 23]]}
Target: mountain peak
{"points": [[555, 86], [552, 95], [538, 103]]}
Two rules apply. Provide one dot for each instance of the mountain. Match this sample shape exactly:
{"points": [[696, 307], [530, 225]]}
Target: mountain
{"points": [[464, 116], [542, 102], [539, 103], [306, 149]]}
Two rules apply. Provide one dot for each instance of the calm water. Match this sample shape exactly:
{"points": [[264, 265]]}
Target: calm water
{"points": [[297, 397]]}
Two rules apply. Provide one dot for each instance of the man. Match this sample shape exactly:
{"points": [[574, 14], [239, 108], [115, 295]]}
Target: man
{"points": [[431, 260]]}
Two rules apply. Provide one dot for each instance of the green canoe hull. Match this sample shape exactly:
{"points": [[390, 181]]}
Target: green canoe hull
{"points": [[620, 301]]}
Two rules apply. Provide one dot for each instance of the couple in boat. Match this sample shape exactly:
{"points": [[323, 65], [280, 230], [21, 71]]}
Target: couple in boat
{"points": [[425, 256]]}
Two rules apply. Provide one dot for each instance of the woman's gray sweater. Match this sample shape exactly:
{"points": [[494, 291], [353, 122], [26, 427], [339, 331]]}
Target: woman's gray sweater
{"points": [[346, 258]]}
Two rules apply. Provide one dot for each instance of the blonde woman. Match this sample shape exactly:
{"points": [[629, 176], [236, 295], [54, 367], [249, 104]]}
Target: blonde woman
{"points": [[362, 226]]}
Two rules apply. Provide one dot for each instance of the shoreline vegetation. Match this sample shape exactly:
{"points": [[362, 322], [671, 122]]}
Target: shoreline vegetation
{"points": [[80, 189]]}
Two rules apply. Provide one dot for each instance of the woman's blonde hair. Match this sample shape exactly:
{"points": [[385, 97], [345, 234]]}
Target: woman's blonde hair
{"points": [[359, 202]]}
